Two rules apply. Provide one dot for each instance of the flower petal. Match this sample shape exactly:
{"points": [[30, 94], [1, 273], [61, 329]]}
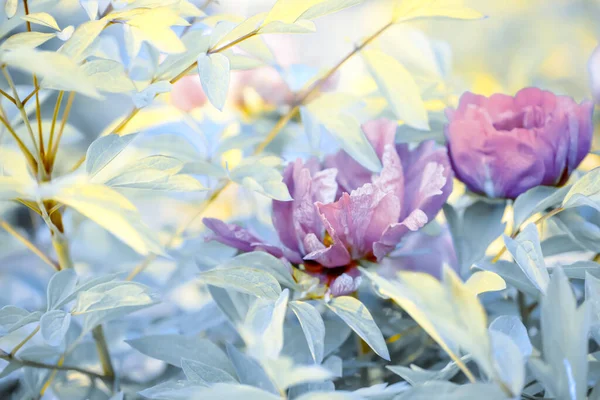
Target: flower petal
{"points": [[395, 232]]}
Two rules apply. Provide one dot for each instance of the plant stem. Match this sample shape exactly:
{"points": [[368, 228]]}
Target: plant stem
{"points": [[33, 364], [8, 228], [28, 155], [267, 140], [54, 119], [39, 170], [536, 222], [18, 347], [103, 354], [63, 123], [8, 96]]}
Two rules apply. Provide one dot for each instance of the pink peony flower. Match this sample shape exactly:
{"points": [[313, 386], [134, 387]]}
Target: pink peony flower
{"points": [[187, 93], [502, 146], [343, 214]]}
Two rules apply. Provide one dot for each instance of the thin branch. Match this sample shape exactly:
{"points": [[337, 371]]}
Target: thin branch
{"points": [[8, 96], [268, 139], [63, 123], [30, 158], [54, 119], [34, 364], [30, 95], [22, 343], [8, 228]]}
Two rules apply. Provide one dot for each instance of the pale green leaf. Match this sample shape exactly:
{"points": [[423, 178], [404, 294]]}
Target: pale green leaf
{"points": [[108, 76], [334, 111], [246, 280], [288, 11], [301, 26], [398, 87], [26, 40], [196, 43], [328, 7], [412, 9], [313, 327], [105, 149], [154, 26], [355, 314], [222, 391], [242, 29], [61, 285], [82, 38], [202, 373], [10, 8], [214, 76], [42, 18], [260, 175], [54, 325], [528, 255], [249, 371], [173, 348], [57, 70], [585, 192], [285, 374]]}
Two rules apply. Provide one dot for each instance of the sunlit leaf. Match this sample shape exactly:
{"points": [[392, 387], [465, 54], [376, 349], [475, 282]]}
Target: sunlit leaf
{"points": [[108, 76], [485, 281], [105, 149], [10, 8], [249, 371], [57, 70], [26, 40], [43, 19], [585, 192], [455, 9], [327, 7], [398, 87]]}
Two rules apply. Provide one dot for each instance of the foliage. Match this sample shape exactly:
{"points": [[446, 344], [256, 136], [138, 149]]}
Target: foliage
{"points": [[110, 290]]}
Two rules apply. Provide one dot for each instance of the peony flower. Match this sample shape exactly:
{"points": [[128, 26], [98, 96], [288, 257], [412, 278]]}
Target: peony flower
{"points": [[343, 213], [187, 93], [502, 146]]}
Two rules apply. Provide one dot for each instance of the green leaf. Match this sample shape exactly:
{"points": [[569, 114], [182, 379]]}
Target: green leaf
{"points": [[514, 328], [171, 390], [221, 391], [112, 300], [204, 168], [57, 70], [155, 173], [415, 375], [108, 76], [262, 329], [26, 40], [54, 325], [196, 44], [454, 9], [42, 18], [13, 318], [173, 348], [285, 374], [249, 371], [82, 38], [585, 192], [213, 70], [565, 329], [10, 8], [300, 26], [112, 211], [105, 149], [535, 200], [243, 279], [452, 391], [266, 262], [508, 361], [528, 255], [259, 175], [201, 373], [334, 111], [398, 87], [328, 7], [357, 316], [313, 328], [154, 27], [61, 285]]}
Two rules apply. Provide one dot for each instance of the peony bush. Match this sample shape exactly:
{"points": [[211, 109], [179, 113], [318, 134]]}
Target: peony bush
{"points": [[190, 209]]}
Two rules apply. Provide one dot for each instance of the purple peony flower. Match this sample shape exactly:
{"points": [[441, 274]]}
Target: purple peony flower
{"points": [[343, 213], [502, 146]]}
